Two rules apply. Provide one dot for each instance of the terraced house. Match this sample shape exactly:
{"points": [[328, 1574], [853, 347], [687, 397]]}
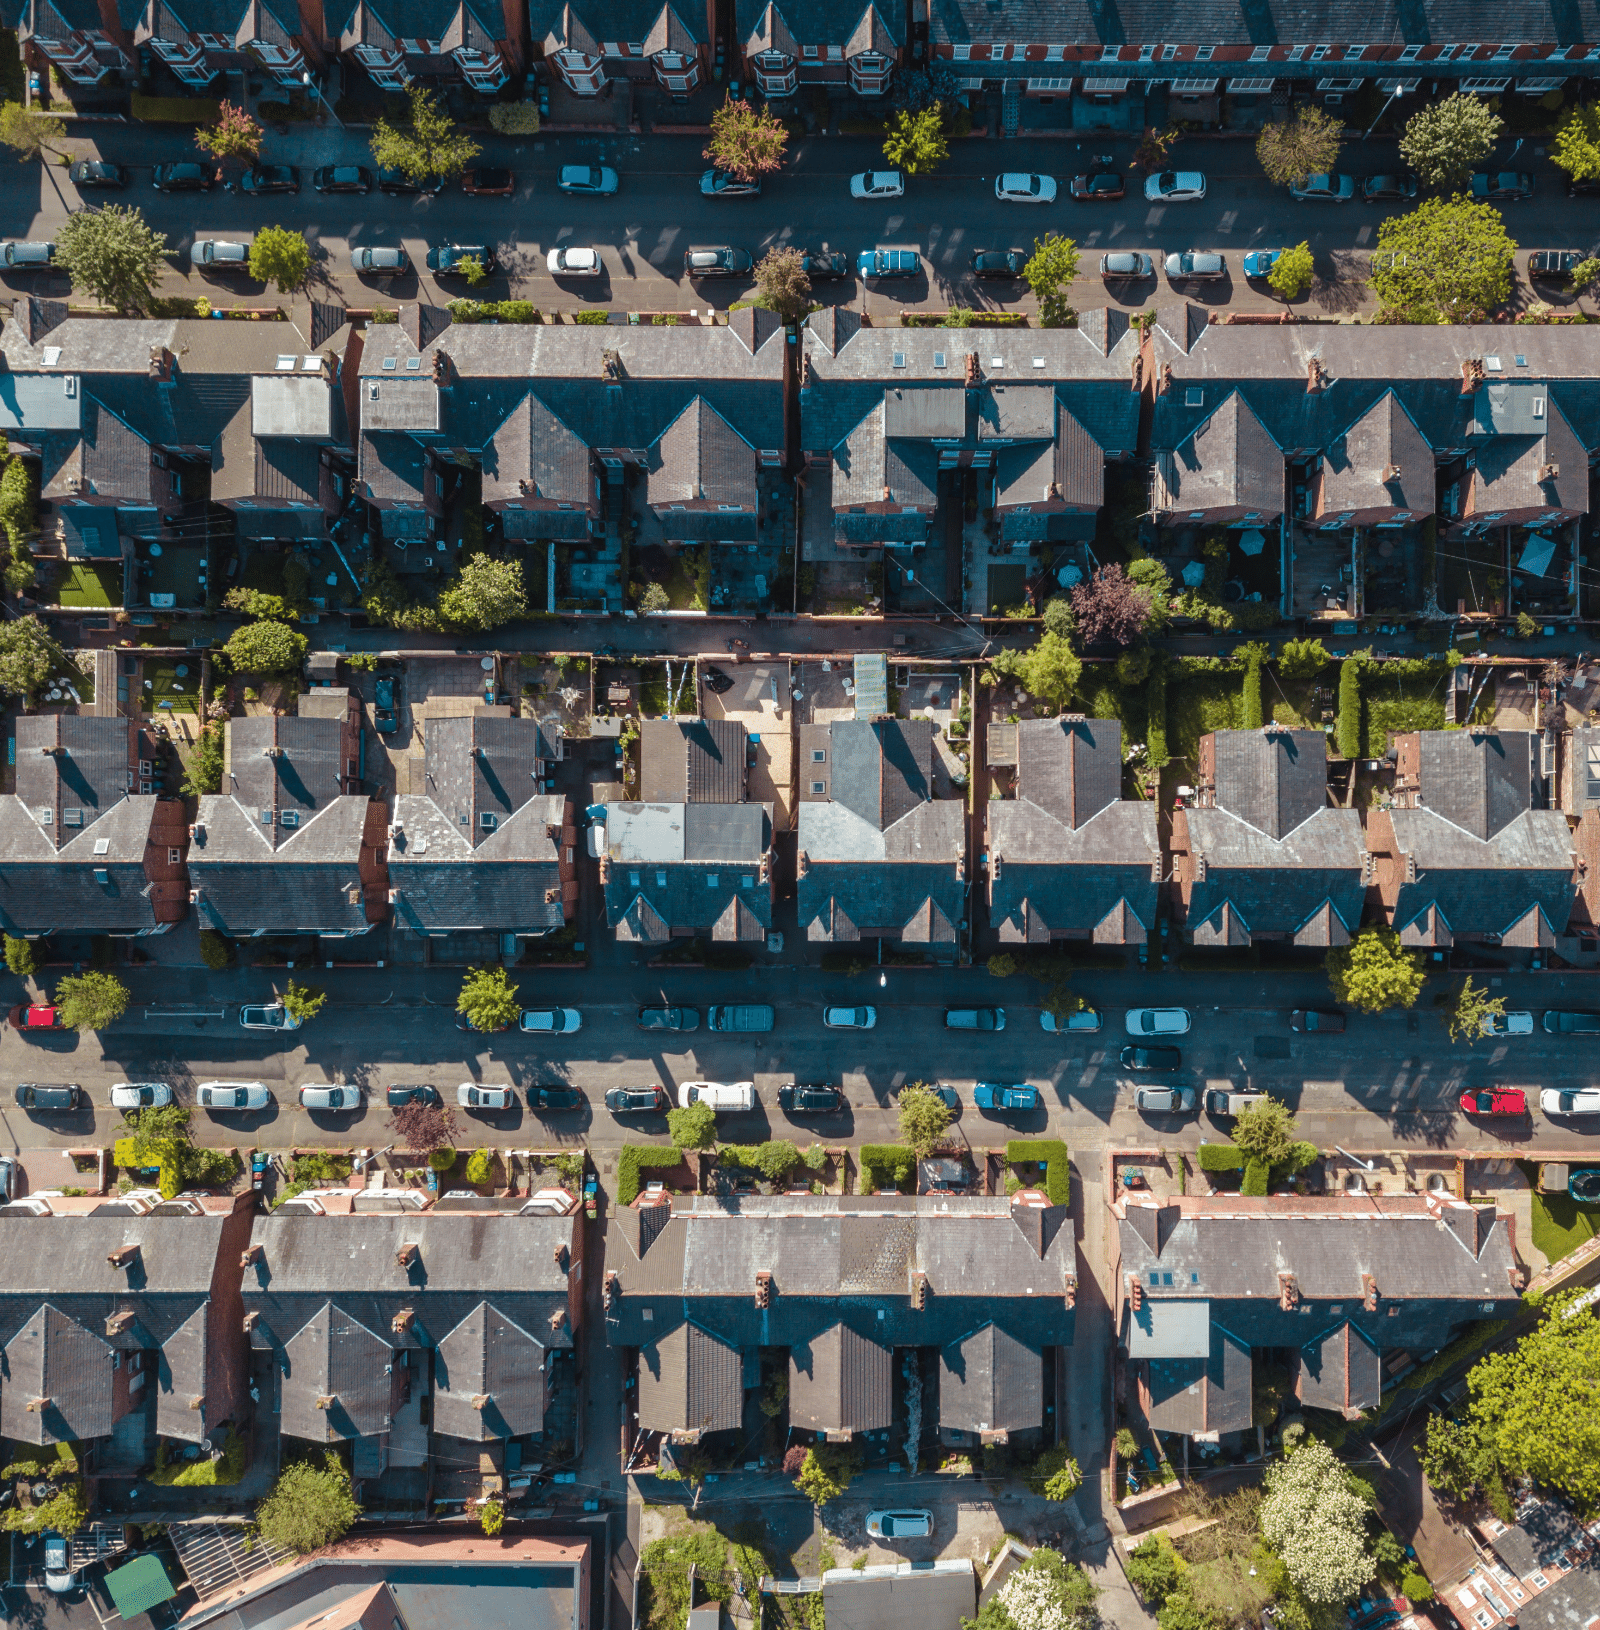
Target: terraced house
{"points": [[586, 46]]}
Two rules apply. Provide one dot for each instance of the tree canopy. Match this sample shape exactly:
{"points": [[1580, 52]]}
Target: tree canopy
{"points": [[1457, 1459], [1289, 150], [488, 999], [744, 142], [429, 144], [1317, 1523], [694, 1127], [266, 648], [28, 656], [1373, 973], [1292, 272], [310, 1506], [924, 1117], [1577, 147], [781, 278], [1046, 1592], [1110, 606], [111, 253], [915, 142], [28, 132], [235, 135], [280, 256], [1049, 273], [1448, 260], [827, 1471], [486, 593], [1265, 1131], [1050, 670], [1444, 141], [303, 1002], [1472, 1006], [90, 1000]]}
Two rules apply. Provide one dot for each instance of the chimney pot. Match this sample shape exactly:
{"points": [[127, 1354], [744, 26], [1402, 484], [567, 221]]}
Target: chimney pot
{"points": [[123, 1256], [251, 1255], [1072, 1290], [557, 1319], [252, 1319], [919, 1290], [480, 1401], [198, 1401], [613, 1288], [37, 1406], [403, 1321], [406, 1255], [118, 1322], [326, 1402], [1369, 1293], [1288, 1292]]}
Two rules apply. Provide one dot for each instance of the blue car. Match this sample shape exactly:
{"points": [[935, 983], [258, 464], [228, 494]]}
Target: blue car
{"points": [[383, 710], [1261, 261], [877, 263], [987, 1095]]}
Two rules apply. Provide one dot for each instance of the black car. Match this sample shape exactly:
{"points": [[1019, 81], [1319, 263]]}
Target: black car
{"points": [[487, 182], [342, 178], [48, 1095], [1589, 187], [395, 181], [400, 1095], [822, 264], [97, 172], [1098, 186], [265, 178], [796, 1099], [669, 1018], [718, 681], [998, 263], [554, 1098], [446, 258], [1568, 1022], [1384, 189], [1150, 1058], [721, 261], [635, 1100], [181, 178], [1554, 265]]}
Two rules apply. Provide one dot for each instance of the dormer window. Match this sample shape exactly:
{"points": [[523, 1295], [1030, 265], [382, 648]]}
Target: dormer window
{"points": [[72, 817], [488, 821], [289, 817]]}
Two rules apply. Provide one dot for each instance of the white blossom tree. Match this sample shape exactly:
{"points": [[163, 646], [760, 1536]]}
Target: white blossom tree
{"points": [[1317, 1523], [1048, 1593]]}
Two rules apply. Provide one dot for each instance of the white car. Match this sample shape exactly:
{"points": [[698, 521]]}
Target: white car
{"points": [[469, 1095], [850, 1018], [1158, 1021], [58, 1574], [720, 1095], [878, 184], [330, 1097], [271, 1016], [1507, 1024], [551, 1020], [141, 1095], [1017, 187], [1585, 1101], [232, 1095], [1174, 186], [219, 255], [908, 1524], [574, 262]]}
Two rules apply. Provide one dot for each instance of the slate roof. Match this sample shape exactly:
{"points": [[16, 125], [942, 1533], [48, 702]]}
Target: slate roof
{"points": [[841, 1381], [697, 866], [635, 21], [692, 761], [1339, 1369], [1273, 780], [1540, 1538], [989, 1381], [1571, 1603], [690, 1380], [699, 457], [1211, 1394], [489, 1356], [1230, 461], [1520, 470], [786, 26], [1384, 438], [1479, 780]]}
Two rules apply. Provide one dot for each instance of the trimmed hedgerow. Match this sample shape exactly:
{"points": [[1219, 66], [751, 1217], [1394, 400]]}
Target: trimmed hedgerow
{"points": [[886, 1165], [637, 1158], [1221, 1157], [1051, 1153], [1257, 1176]]}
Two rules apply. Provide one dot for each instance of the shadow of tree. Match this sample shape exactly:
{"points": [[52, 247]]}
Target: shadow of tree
{"points": [[1343, 286]]}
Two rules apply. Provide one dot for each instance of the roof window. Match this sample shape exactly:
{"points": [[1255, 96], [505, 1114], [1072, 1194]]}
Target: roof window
{"points": [[413, 364], [388, 364], [899, 359], [286, 365], [939, 360], [72, 817]]}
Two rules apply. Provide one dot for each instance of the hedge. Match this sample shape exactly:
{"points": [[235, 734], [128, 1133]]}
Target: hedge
{"points": [[1221, 1157], [635, 1160], [1252, 692], [975, 319], [1349, 733], [176, 110], [1156, 715], [1050, 1153], [886, 1165], [1257, 1177]]}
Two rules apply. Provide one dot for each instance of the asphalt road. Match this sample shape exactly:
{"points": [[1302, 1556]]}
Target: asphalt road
{"points": [[641, 233]]}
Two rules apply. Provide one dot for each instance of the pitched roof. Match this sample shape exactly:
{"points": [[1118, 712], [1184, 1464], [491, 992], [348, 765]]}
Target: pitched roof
{"points": [[1229, 462], [989, 1381], [336, 1379], [690, 1381], [1275, 779], [692, 761], [840, 1381], [1479, 780], [489, 1378], [1356, 468], [696, 866]]}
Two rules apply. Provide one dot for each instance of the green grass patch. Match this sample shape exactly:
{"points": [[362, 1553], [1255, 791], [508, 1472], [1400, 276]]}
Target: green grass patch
{"points": [[1198, 703], [1560, 1223], [91, 583], [178, 110], [1398, 703], [1051, 1154], [164, 682], [886, 1166], [635, 1160], [205, 1472]]}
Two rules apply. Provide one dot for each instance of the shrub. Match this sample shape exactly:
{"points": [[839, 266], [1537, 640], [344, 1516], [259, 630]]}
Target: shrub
{"points": [[1127, 1444], [636, 1159], [1414, 1586], [1257, 1174], [1221, 1157], [215, 951], [514, 119], [1252, 691], [491, 1517], [886, 1165], [692, 1128], [22, 957], [479, 1164], [442, 1159], [1156, 710], [1349, 732], [1002, 964], [1052, 1154], [1055, 1475], [590, 317]]}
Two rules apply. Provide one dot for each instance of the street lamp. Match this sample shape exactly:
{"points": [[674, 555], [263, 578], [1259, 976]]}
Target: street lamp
{"points": [[312, 85]]}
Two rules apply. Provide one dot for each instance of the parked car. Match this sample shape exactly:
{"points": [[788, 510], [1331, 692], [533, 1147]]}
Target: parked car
{"points": [[1318, 1019], [489, 181], [384, 714], [905, 1524], [1583, 1101], [330, 1097], [1086, 1018], [265, 178], [1583, 1185], [1022, 187], [948, 1096], [721, 184], [553, 1100], [267, 1016], [1554, 265], [741, 1017], [1126, 265], [464, 1022], [850, 1018], [573, 260], [1098, 186], [668, 1018], [1220, 1101], [1495, 1101], [401, 1094], [1002, 1099], [342, 178], [1383, 189], [998, 263], [1506, 1024], [1164, 1100], [1587, 187], [1557, 1022], [96, 173], [824, 265], [1258, 263], [1174, 186], [1327, 189], [1157, 1021], [1135, 1057], [182, 178], [1385, 260], [591, 178], [553, 1021], [488, 1100], [219, 255], [721, 1095], [796, 1099], [636, 1100], [232, 1095], [1196, 266], [29, 257], [717, 261], [974, 1018], [449, 259], [58, 1574], [878, 184], [24, 1017], [8, 1192], [379, 260], [717, 681], [397, 182], [880, 263], [1504, 186], [141, 1095], [48, 1095]]}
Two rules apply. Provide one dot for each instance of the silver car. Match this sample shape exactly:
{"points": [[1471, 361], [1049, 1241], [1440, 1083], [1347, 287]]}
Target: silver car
{"points": [[587, 178], [1126, 264], [1196, 266], [1158, 1021], [141, 1095], [850, 1018], [232, 1095], [1584, 1101], [219, 255], [30, 256], [471, 1096], [1164, 1100], [330, 1097]]}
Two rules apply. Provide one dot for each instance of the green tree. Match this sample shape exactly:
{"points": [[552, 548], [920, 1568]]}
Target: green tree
{"points": [[746, 143], [1049, 273], [1373, 973], [1302, 659], [1458, 1460], [22, 957], [265, 648], [472, 268], [1584, 276], [155, 1133], [479, 1164], [429, 144], [924, 1117], [1002, 964], [1445, 141], [489, 999], [1317, 1523], [1055, 1475], [1155, 584], [915, 142], [1472, 1006], [1153, 1568], [491, 1517], [827, 1471], [258, 603], [203, 775], [235, 136], [655, 598], [1265, 1131], [692, 1128], [1289, 150], [281, 256], [111, 252], [310, 1506], [776, 1158], [216, 951], [1051, 670], [1046, 1592], [1448, 260], [28, 656], [1058, 618], [486, 593], [783, 282], [30, 133], [303, 1002], [90, 1001], [1292, 272], [1577, 148]]}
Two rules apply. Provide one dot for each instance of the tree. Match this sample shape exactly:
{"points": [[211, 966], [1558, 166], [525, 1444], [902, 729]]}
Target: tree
{"points": [[745, 143], [1110, 607], [915, 142], [1472, 1006], [1153, 1569], [655, 598], [1449, 260], [827, 1471], [280, 256], [1047, 1592], [310, 1506], [1373, 973], [489, 999], [692, 1128], [204, 773], [1458, 1460], [22, 957], [1584, 276], [491, 1517], [486, 593], [155, 1133], [1055, 1475], [112, 253], [1292, 272], [29, 132], [1049, 273], [265, 648], [1058, 618], [303, 1002], [1002, 965], [1317, 1523], [776, 1158], [1265, 1131], [28, 656], [1289, 150], [1302, 659], [471, 267], [423, 1128], [1051, 670], [924, 1117], [258, 603], [235, 136], [1156, 585], [90, 1001], [1577, 148], [429, 144], [785, 287], [1446, 141]]}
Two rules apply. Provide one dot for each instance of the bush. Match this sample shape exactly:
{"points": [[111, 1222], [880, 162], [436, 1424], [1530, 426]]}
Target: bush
{"points": [[443, 1158], [1414, 1587], [1252, 691], [1349, 731], [22, 957], [1221, 1157], [1257, 1175], [590, 317], [694, 1127], [177, 110], [1153, 1569], [636, 1159], [515, 118], [1156, 713], [215, 951], [479, 1164], [1002, 964], [886, 1166], [1052, 1154]]}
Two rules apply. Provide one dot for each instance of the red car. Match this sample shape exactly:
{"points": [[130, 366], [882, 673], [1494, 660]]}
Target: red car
{"points": [[486, 182], [24, 1017], [1497, 1101]]}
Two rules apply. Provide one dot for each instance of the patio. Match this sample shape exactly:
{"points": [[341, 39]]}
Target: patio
{"points": [[1323, 574]]}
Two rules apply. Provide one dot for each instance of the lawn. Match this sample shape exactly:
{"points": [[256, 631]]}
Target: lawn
{"points": [[168, 685], [1200, 702], [1395, 703], [1560, 1224], [91, 583]]}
